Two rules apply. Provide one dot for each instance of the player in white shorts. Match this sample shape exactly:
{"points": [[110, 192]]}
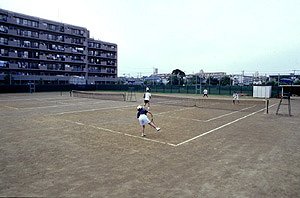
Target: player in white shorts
{"points": [[147, 97], [143, 119]]}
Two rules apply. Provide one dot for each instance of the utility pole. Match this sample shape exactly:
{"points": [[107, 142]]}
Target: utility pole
{"points": [[243, 74]]}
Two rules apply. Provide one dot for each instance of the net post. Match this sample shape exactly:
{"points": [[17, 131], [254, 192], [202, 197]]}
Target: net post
{"points": [[267, 106]]}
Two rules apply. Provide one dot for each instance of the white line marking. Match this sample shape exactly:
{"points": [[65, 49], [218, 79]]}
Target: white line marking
{"points": [[197, 120], [11, 107], [80, 111], [172, 111], [220, 127], [118, 132], [22, 99], [64, 105], [228, 114]]}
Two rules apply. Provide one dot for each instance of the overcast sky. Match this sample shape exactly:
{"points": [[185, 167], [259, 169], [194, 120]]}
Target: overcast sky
{"points": [[214, 35]]}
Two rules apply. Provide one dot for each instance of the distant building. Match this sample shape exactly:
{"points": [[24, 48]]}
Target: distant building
{"points": [[242, 80], [293, 77], [217, 75], [34, 50], [163, 78]]}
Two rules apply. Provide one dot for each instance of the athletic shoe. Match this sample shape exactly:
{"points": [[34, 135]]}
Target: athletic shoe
{"points": [[143, 135], [157, 128]]}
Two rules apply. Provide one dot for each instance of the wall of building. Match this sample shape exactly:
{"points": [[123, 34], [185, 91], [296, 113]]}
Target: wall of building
{"points": [[32, 48]]}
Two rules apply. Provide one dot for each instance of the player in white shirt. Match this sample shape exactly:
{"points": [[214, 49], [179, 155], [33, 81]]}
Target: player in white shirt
{"points": [[147, 97], [235, 97], [205, 92]]}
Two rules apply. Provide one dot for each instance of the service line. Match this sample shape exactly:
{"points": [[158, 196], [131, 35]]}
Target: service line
{"points": [[220, 127], [118, 132]]}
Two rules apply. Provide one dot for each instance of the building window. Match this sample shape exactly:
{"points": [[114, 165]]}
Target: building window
{"points": [[4, 52], [4, 63], [3, 41], [3, 28], [3, 17]]}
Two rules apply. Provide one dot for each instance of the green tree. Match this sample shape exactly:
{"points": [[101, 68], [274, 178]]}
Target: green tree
{"points": [[225, 80], [272, 83], [297, 82], [177, 77], [213, 81]]}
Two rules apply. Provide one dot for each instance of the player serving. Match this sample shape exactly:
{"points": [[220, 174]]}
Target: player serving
{"points": [[143, 119]]}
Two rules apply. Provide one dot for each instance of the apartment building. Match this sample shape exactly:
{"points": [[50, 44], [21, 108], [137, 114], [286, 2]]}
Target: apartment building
{"points": [[38, 50]]}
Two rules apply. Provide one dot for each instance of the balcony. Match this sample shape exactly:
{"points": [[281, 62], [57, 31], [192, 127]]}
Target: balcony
{"points": [[43, 47], [43, 36], [68, 50], [13, 55], [68, 40], [43, 57], [68, 68], [12, 32], [43, 67], [12, 43], [11, 20], [13, 66], [93, 79], [38, 77]]}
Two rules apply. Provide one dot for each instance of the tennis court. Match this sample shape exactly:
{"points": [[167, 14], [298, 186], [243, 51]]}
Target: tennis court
{"points": [[56, 145]]}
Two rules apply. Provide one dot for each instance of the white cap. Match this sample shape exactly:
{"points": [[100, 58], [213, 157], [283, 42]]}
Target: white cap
{"points": [[139, 107]]}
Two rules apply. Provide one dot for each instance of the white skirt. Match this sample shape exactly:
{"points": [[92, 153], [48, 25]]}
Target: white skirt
{"points": [[144, 120]]}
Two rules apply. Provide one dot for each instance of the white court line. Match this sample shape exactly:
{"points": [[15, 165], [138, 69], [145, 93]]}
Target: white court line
{"points": [[220, 127], [11, 107], [118, 132], [228, 114], [79, 111], [197, 120], [161, 142], [171, 111], [22, 99], [63, 105]]}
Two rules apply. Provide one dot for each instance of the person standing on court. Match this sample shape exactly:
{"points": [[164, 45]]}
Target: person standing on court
{"points": [[147, 97], [205, 93], [143, 119], [235, 97]]}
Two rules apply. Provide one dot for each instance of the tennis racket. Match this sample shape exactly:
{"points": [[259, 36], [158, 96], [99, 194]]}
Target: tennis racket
{"points": [[151, 119]]}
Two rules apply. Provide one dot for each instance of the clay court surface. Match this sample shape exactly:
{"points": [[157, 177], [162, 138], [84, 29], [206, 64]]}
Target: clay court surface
{"points": [[54, 145]]}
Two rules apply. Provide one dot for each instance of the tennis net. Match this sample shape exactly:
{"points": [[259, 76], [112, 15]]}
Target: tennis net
{"points": [[99, 95], [209, 103]]}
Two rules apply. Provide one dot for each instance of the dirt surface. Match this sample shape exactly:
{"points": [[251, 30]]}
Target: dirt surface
{"points": [[54, 145]]}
